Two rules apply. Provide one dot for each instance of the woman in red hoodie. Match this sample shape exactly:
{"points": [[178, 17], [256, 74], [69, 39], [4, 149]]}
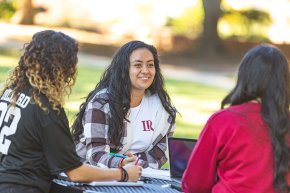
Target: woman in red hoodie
{"points": [[244, 148]]}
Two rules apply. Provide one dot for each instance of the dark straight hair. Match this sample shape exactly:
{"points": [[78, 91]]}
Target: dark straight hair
{"points": [[116, 80], [264, 74]]}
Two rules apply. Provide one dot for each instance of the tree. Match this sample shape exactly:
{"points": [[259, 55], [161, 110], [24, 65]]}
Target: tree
{"points": [[25, 13], [210, 42]]}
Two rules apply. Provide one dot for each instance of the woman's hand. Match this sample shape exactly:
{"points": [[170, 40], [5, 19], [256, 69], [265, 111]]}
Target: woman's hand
{"points": [[130, 159], [134, 172]]}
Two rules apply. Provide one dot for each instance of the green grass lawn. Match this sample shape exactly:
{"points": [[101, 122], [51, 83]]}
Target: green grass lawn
{"points": [[194, 101]]}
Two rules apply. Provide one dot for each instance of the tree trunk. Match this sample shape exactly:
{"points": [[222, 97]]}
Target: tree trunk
{"points": [[25, 13], [210, 42]]}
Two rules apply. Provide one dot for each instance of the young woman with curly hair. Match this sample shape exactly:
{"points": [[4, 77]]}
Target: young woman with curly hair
{"points": [[35, 139], [246, 146], [129, 112]]}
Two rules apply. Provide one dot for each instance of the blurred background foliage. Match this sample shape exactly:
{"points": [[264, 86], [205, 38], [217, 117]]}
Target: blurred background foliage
{"points": [[7, 9], [189, 23], [245, 25], [242, 25]]}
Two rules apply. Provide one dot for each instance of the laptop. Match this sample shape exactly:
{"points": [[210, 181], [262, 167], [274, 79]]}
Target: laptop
{"points": [[179, 152]]}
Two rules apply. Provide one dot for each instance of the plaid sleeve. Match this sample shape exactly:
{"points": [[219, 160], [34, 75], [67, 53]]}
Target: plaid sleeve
{"points": [[95, 123], [156, 156]]}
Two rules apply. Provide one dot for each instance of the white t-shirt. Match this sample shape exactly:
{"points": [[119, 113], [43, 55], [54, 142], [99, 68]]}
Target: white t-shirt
{"points": [[142, 120]]}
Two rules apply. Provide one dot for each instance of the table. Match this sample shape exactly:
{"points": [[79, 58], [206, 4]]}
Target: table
{"points": [[154, 185]]}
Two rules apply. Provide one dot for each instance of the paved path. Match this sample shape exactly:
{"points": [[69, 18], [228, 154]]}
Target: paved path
{"points": [[171, 71]]}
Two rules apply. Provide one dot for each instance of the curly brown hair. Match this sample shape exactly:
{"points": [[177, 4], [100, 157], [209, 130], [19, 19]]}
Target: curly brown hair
{"points": [[48, 66]]}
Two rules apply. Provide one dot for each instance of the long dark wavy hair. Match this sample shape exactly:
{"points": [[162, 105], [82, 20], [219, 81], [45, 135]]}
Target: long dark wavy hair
{"points": [[47, 66], [117, 82], [264, 74]]}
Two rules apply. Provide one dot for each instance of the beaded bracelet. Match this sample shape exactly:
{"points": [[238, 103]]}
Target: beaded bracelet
{"points": [[124, 175]]}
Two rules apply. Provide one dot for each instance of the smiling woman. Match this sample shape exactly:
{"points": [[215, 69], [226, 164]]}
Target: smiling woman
{"points": [[129, 111]]}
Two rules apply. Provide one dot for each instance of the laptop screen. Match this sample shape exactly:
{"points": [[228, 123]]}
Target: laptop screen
{"points": [[179, 152]]}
